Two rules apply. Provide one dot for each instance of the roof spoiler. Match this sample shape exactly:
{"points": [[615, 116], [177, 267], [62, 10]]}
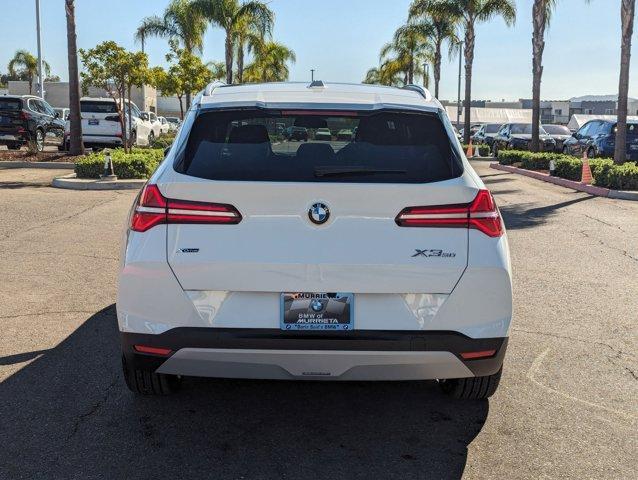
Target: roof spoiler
{"points": [[424, 92], [210, 88]]}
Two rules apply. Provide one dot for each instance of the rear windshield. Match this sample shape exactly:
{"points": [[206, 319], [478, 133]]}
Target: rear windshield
{"points": [[525, 129], [309, 146], [98, 107], [10, 104], [557, 130], [492, 128]]}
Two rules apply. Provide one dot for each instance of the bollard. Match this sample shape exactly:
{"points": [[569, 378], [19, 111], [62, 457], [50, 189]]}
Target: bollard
{"points": [[552, 168], [109, 173]]}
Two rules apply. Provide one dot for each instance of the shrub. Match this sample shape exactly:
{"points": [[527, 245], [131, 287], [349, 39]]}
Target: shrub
{"points": [[484, 150], [605, 172], [140, 163], [163, 142]]}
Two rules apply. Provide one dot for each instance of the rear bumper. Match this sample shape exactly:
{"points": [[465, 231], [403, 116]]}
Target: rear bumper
{"points": [[101, 140], [274, 354]]}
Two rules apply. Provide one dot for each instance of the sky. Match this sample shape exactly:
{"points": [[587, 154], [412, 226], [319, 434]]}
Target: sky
{"points": [[341, 40]]}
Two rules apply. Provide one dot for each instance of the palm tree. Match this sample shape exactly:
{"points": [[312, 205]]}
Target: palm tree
{"points": [[443, 29], [270, 63], [627, 10], [468, 13], [409, 48], [24, 64], [76, 146], [233, 16], [180, 22]]}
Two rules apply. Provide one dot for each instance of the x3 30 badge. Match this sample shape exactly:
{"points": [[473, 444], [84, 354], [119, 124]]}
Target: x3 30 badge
{"points": [[432, 253]]}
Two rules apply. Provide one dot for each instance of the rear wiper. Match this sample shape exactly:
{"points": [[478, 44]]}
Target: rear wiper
{"points": [[339, 171]]}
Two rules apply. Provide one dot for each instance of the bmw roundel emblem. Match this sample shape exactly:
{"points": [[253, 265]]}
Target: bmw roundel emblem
{"points": [[319, 213], [316, 305]]}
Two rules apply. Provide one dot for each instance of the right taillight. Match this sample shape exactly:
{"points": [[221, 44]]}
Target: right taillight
{"points": [[481, 214], [154, 209]]}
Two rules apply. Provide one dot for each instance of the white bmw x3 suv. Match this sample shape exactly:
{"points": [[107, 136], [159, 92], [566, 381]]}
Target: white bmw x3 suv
{"points": [[381, 257]]}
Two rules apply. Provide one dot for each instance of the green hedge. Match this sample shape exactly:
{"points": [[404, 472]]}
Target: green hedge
{"points": [[605, 172], [140, 163], [163, 142], [484, 150]]}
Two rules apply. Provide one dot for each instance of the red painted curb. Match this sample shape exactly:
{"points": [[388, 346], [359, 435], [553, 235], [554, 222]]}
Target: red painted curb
{"points": [[563, 182]]}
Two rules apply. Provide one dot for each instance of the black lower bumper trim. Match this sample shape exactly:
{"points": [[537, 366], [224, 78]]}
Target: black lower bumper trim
{"points": [[359, 340]]}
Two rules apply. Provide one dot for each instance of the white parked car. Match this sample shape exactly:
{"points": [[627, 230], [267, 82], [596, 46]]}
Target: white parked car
{"points": [[101, 124], [173, 123], [164, 127], [155, 123], [381, 258]]}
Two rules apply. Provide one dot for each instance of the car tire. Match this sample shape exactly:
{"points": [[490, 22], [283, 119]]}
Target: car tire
{"points": [[36, 145], [151, 139], [495, 150], [473, 388], [143, 382], [565, 151], [591, 152]]}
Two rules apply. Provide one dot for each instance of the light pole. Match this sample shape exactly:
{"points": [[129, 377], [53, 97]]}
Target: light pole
{"points": [[458, 104], [312, 75], [40, 74]]}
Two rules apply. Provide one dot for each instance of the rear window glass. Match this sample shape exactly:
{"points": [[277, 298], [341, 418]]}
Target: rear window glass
{"points": [[308, 146], [492, 128], [557, 130], [10, 104], [98, 107]]}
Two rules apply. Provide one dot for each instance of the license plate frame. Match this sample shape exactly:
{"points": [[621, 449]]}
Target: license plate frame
{"points": [[94, 121], [312, 311]]}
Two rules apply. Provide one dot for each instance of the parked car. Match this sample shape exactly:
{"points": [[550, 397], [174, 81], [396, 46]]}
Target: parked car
{"points": [[227, 260], [323, 134], [173, 123], [345, 134], [473, 129], [598, 139], [457, 134], [26, 119], [559, 133], [156, 125], [296, 133], [164, 128], [485, 135], [101, 124], [518, 136]]}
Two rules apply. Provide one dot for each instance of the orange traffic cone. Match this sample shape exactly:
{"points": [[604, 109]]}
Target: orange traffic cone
{"points": [[468, 154], [586, 176]]}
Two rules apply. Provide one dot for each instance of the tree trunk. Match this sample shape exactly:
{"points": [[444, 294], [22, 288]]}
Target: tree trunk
{"points": [[130, 118], [76, 146], [229, 58], [30, 84], [627, 20], [539, 20], [240, 63], [437, 66], [469, 59], [123, 118], [181, 107]]}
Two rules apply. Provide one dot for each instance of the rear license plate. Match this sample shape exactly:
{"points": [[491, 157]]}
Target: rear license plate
{"points": [[93, 121], [317, 311]]}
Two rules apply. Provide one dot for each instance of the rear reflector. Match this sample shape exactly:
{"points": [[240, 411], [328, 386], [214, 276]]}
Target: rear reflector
{"points": [[475, 355], [153, 350], [154, 209], [480, 214]]}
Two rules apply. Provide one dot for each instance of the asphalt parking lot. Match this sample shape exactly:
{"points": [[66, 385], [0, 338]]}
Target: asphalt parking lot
{"points": [[567, 406]]}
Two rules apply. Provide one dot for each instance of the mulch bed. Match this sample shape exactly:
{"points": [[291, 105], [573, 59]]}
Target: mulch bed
{"points": [[24, 156]]}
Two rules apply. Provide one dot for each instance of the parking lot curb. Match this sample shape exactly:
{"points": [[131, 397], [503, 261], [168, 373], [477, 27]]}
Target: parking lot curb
{"points": [[563, 182], [72, 183], [53, 165]]}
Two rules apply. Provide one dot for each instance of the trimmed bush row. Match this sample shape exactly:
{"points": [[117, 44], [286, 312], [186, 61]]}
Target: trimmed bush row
{"points": [[140, 163], [605, 172], [484, 150]]}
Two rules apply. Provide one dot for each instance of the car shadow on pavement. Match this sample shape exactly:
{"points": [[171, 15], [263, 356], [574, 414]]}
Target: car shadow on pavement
{"points": [[68, 414], [524, 215]]}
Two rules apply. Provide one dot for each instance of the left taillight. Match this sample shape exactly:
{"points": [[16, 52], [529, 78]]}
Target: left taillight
{"points": [[481, 214], [154, 209]]}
